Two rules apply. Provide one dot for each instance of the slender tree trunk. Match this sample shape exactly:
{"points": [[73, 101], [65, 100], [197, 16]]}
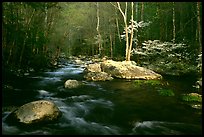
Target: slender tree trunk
{"points": [[136, 18], [126, 27], [166, 28], [142, 11], [10, 52], [174, 25], [199, 28], [14, 40], [46, 26], [97, 29], [111, 46], [114, 44], [117, 26], [26, 36], [132, 33], [158, 14]]}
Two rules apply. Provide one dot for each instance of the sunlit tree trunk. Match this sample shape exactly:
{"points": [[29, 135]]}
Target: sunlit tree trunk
{"points": [[97, 29], [131, 34], [126, 28]]}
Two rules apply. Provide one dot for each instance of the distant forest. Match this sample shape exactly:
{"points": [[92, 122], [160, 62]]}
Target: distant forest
{"points": [[34, 34]]}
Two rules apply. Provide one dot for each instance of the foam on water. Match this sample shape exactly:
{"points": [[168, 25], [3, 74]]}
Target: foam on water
{"points": [[74, 112], [44, 94], [161, 128]]}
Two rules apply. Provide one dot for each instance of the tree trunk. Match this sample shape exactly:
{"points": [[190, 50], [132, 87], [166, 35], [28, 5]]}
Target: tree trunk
{"points": [[174, 25], [158, 14], [111, 46], [199, 28], [126, 27], [26, 36], [117, 26], [136, 18], [142, 11], [131, 35], [97, 29]]}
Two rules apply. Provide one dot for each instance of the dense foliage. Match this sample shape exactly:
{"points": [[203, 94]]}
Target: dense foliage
{"points": [[35, 34], [173, 58]]}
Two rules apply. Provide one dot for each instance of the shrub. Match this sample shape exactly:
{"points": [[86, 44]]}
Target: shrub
{"points": [[192, 97]]}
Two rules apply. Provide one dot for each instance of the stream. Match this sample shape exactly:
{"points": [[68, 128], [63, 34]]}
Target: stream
{"points": [[114, 107]]}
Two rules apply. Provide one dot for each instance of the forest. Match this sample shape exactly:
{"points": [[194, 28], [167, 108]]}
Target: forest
{"points": [[48, 45], [34, 33]]}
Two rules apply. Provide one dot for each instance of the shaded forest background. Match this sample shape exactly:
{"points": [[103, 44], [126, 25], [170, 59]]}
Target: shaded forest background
{"points": [[36, 34]]}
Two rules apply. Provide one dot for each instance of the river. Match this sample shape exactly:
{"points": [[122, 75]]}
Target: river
{"points": [[114, 107]]}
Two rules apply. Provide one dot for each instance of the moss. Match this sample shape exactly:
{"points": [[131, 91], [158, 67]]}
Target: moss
{"points": [[192, 97], [147, 82], [166, 92], [153, 82], [138, 82]]}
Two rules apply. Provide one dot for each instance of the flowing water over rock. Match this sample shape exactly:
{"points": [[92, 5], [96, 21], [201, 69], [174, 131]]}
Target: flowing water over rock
{"points": [[100, 108]]}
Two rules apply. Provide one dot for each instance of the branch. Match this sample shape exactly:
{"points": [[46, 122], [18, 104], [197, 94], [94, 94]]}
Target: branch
{"points": [[114, 5]]}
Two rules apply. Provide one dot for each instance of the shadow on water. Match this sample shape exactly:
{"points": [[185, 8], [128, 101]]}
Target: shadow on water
{"points": [[102, 108]]}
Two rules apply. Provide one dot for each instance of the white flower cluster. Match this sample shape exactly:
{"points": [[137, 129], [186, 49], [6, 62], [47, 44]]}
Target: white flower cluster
{"points": [[136, 25], [166, 56]]}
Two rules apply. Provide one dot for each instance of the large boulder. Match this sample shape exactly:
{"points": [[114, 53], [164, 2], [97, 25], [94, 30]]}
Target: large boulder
{"points": [[128, 70], [35, 112], [72, 83]]}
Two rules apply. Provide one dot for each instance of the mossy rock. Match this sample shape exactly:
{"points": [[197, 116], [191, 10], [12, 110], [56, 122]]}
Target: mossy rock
{"points": [[166, 92], [192, 97]]}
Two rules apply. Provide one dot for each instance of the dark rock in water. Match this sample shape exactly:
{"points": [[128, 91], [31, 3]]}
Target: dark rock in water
{"points": [[35, 112]]}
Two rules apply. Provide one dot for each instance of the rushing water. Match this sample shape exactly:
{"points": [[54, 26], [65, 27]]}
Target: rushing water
{"points": [[101, 108]]}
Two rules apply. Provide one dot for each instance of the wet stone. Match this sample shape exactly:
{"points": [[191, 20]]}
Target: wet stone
{"points": [[35, 112]]}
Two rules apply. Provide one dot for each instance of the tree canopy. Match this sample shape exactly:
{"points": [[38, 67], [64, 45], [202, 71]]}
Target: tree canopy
{"points": [[37, 32]]}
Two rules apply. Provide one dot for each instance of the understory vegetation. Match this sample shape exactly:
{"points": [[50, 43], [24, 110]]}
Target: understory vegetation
{"points": [[163, 36]]}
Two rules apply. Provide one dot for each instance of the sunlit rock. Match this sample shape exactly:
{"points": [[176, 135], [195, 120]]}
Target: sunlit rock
{"points": [[96, 67], [78, 61], [35, 112], [128, 70], [71, 84], [97, 76]]}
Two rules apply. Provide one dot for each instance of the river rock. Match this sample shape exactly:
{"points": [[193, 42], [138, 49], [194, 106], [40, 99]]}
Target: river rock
{"points": [[98, 76], [96, 67], [78, 61], [71, 84], [128, 70], [35, 112]]}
